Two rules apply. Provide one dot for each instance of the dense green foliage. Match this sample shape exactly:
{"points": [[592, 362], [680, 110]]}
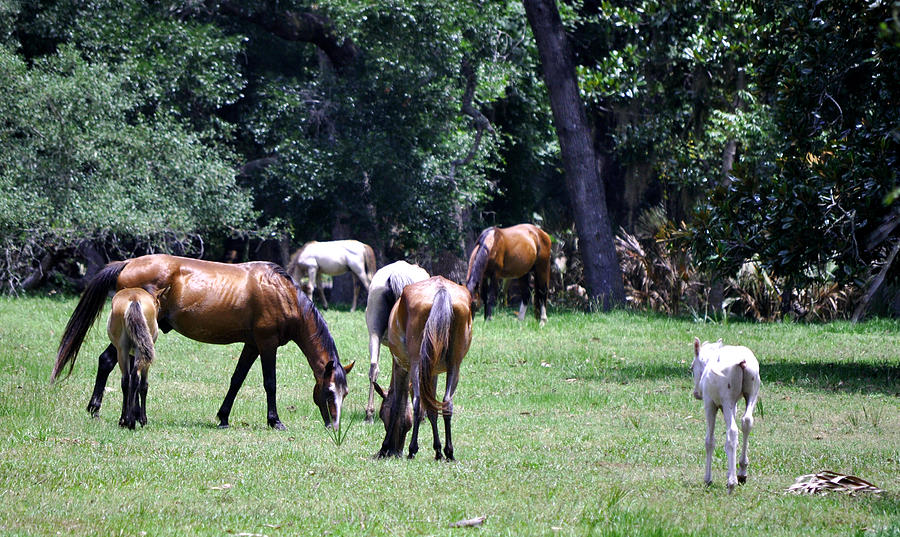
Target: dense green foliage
{"points": [[585, 427], [816, 190], [767, 127]]}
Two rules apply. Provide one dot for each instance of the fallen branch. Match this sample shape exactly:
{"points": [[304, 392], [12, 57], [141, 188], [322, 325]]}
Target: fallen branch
{"points": [[828, 481], [469, 523]]}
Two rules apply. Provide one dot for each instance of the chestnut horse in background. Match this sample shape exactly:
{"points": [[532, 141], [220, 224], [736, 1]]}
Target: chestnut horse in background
{"points": [[333, 258], [429, 333], [255, 303], [511, 253], [384, 291], [132, 329]]}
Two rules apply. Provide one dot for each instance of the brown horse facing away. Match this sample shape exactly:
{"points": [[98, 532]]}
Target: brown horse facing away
{"points": [[255, 303], [429, 333], [511, 253], [132, 328]]}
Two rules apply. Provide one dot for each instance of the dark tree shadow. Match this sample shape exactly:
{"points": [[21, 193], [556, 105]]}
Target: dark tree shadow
{"points": [[825, 376]]}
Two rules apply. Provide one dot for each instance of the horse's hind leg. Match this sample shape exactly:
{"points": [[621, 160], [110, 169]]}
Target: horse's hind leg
{"points": [[105, 364], [490, 296], [524, 294], [541, 287], [129, 387], [452, 380], [432, 418], [248, 356], [746, 426], [355, 296], [415, 382], [142, 406]]}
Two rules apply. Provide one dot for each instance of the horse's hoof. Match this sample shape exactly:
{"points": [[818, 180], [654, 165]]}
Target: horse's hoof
{"points": [[277, 425], [369, 420], [742, 479], [223, 425]]}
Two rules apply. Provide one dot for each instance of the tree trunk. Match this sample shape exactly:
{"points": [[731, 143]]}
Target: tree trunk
{"points": [[586, 190]]}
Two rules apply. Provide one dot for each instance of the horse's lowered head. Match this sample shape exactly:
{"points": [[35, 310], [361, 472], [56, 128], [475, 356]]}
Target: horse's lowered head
{"points": [[405, 422], [329, 392], [703, 353]]}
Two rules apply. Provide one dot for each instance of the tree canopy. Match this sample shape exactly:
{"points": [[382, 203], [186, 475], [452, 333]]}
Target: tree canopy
{"points": [[769, 129]]}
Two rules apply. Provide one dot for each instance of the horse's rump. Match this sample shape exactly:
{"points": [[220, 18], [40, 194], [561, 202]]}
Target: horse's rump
{"points": [[140, 334]]}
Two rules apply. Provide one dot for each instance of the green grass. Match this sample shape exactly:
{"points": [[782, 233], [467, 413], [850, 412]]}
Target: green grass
{"points": [[584, 427]]}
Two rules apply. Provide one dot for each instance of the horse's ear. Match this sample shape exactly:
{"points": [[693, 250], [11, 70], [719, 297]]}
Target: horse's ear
{"points": [[719, 342], [347, 368], [379, 391], [696, 346], [329, 368]]}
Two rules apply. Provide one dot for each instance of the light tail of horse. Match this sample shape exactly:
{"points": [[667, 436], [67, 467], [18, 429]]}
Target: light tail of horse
{"points": [[370, 261], [435, 346], [140, 336], [84, 316]]}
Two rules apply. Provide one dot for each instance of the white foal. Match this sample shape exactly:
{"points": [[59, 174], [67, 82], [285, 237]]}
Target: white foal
{"points": [[722, 375]]}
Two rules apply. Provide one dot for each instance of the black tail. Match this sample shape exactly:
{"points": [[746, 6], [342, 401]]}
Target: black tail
{"points": [[435, 345], [84, 316], [139, 332], [478, 263]]}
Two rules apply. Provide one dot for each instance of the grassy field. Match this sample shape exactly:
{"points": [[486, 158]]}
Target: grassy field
{"points": [[584, 427]]}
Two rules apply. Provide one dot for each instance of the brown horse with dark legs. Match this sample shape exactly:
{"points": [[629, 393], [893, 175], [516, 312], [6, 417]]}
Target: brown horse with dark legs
{"points": [[429, 333], [256, 304], [132, 329], [511, 253]]}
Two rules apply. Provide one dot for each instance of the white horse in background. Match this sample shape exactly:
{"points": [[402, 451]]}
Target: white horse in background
{"points": [[722, 375], [384, 291], [333, 258]]}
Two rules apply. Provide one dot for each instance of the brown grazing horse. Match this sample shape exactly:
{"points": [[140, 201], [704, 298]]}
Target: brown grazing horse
{"points": [[429, 333], [132, 328], [511, 253], [255, 303]]}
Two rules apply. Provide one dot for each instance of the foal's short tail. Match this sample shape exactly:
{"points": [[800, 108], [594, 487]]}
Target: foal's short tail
{"points": [[435, 346], [86, 312], [139, 333]]}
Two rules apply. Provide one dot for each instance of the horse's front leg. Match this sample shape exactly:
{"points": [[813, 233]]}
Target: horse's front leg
{"points": [[392, 446], [105, 364], [314, 276], [374, 352], [267, 359], [248, 356]]}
